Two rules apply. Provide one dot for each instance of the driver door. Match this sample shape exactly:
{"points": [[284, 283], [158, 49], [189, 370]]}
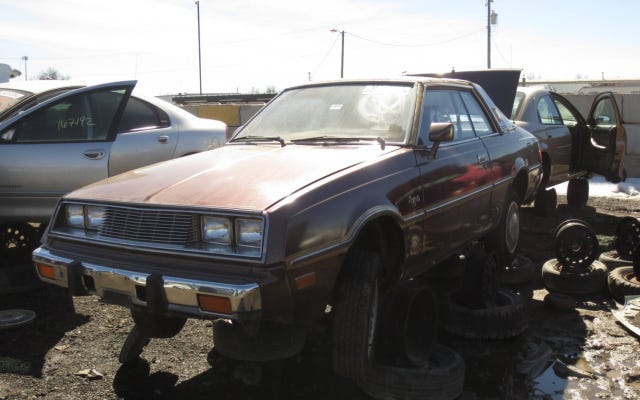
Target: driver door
{"points": [[607, 141]]}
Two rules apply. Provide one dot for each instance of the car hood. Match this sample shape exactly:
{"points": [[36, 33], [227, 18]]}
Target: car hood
{"points": [[246, 177]]}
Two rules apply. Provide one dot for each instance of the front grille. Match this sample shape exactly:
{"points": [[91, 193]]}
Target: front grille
{"points": [[151, 226]]}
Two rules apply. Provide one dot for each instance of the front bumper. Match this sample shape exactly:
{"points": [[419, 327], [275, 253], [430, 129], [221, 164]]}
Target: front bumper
{"points": [[162, 294]]}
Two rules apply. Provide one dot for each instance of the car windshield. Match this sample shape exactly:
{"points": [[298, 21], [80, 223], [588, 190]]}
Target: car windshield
{"points": [[11, 97], [340, 111]]}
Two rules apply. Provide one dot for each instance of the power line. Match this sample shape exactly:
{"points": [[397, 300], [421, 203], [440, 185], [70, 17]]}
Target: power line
{"points": [[418, 45], [325, 56]]}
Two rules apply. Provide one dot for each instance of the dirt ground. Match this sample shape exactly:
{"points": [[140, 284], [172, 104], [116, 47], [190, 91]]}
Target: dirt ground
{"points": [[49, 358]]}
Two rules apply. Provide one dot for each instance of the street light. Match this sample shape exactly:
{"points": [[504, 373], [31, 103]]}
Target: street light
{"points": [[25, 58], [199, 53], [342, 53]]}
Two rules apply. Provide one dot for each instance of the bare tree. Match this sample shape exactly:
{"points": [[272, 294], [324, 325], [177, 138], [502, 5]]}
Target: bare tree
{"points": [[52, 74]]}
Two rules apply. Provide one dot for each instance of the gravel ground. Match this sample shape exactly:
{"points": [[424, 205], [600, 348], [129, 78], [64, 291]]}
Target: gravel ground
{"points": [[70, 350]]}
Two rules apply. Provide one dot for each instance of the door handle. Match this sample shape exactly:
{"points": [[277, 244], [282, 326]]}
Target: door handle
{"points": [[163, 139], [94, 154], [482, 159]]}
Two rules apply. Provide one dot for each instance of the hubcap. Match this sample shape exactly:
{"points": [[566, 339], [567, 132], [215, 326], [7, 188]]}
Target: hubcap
{"points": [[512, 227]]}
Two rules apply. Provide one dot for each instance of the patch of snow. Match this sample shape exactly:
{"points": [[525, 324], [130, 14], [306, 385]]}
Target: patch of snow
{"points": [[599, 187]]}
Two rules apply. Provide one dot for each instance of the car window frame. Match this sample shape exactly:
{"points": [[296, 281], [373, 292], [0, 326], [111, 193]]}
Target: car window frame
{"points": [[11, 122], [158, 112]]}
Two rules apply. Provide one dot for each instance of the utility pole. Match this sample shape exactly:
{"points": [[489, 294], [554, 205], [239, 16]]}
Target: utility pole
{"points": [[492, 19], [489, 33], [25, 58], [199, 52]]}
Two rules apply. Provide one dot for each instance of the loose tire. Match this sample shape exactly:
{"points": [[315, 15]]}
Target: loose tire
{"points": [[578, 193], [560, 301], [518, 272], [270, 343], [355, 324], [17, 241], [507, 319], [627, 236], [545, 202], [623, 282], [504, 240], [579, 281], [613, 260], [441, 378], [410, 325]]}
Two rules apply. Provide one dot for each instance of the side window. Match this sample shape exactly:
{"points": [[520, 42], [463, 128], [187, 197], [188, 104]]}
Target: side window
{"points": [[83, 117], [440, 105], [139, 114], [604, 114], [516, 104], [479, 121], [568, 118], [548, 114]]}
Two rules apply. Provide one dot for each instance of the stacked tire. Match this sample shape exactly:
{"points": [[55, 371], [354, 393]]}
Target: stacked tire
{"points": [[363, 331], [575, 270], [623, 280]]}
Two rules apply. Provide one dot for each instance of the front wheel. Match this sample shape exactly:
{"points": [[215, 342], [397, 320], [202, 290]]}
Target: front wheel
{"points": [[355, 313]]}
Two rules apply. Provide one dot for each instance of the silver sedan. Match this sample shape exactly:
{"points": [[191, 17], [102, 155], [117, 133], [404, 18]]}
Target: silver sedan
{"points": [[56, 137]]}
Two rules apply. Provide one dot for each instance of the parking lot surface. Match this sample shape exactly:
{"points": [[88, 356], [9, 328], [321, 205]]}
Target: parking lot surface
{"points": [[70, 350]]}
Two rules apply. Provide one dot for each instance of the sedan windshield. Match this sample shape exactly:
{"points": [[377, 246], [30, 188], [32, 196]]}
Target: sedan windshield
{"points": [[10, 97], [354, 110]]}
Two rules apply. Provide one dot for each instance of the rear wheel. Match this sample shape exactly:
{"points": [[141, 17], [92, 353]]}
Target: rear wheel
{"points": [[504, 240]]}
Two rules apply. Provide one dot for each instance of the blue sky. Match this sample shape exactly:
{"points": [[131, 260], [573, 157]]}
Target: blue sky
{"points": [[255, 44]]}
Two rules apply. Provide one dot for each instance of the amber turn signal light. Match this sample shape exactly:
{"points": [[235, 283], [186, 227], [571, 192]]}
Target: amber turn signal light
{"points": [[46, 271], [216, 304]]}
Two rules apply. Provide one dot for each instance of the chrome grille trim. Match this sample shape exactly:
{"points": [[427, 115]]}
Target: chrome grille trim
{"points": [[152, 226]]}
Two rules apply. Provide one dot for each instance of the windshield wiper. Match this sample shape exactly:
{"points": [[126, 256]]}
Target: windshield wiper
{"points": [[260, 139], [326, 138]]}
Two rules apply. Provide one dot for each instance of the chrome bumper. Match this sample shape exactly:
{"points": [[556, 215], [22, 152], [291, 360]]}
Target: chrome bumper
{"points": [[178, 295]]}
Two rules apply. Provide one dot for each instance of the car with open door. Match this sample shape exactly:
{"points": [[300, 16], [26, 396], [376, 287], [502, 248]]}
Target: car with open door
{"points": [[57, 137], [573, 148]]}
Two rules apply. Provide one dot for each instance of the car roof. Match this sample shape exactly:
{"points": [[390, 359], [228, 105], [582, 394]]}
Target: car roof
{"points": [[40, 86], [404, 79]]}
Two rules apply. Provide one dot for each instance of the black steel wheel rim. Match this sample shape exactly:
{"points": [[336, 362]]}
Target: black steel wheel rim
{"points": [[576, 245], [627, 237], [17, 238]]}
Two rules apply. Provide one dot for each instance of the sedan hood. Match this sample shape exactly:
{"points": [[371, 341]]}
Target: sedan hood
{"points": [[247, 177]]}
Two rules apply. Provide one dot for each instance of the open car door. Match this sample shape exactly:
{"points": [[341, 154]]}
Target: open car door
{"points": [[607, 140]]}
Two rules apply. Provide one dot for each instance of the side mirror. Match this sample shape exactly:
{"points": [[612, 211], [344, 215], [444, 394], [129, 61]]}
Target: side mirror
{"points": [[440, 132], [603, 120]]}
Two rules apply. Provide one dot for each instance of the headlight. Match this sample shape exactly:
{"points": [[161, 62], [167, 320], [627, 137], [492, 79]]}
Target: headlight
{"points": [[95, 216], [216, 230], [249, 232], [75, 216]]}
